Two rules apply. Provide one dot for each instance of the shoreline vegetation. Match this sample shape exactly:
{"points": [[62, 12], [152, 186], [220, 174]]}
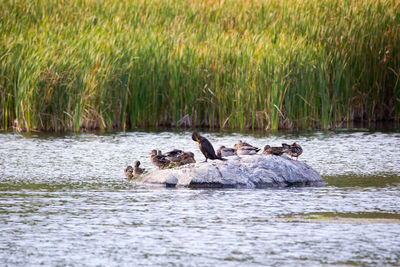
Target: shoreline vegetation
{"points": [[86, 65]]}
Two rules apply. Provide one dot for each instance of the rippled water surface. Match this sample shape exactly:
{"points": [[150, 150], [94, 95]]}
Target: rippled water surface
{"points": [[64, 201]]}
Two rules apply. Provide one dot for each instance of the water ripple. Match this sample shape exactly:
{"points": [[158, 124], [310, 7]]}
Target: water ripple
{"points": [[64, 201]]}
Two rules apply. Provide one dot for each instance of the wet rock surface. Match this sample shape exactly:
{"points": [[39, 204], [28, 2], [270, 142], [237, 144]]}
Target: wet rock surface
{"points": [[249, 171]]}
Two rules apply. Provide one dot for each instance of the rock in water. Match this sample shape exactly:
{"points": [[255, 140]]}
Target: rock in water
{"points": [[248, 171], [171, 181]]}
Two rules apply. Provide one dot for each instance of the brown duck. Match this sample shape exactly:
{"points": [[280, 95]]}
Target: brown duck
{"points": [[225, 151], [174, 155], [136, 169], [275, 150], [294, 150], [243, 148], [179, 157], [158, 159], [129, 173], [187, 158]]}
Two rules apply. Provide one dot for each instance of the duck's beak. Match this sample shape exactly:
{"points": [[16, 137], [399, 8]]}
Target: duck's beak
{"points": [[197, 139]]}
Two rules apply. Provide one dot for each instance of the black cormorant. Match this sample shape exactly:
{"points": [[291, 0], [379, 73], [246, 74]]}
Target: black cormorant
{"points": [[205, 147]]}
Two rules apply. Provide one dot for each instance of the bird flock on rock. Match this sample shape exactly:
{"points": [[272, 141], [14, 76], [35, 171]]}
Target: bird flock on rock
{"points": [[178, 157]]}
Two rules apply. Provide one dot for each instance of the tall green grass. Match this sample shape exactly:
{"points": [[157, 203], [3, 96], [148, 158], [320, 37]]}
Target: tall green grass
{"points": [[83, 64]]}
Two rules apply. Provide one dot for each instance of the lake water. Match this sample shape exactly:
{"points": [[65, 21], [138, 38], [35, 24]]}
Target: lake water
{"points": [[64, 201]]}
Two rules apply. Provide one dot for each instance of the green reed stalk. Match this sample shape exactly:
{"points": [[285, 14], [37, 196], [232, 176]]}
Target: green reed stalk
{"points": [[72, 65]]}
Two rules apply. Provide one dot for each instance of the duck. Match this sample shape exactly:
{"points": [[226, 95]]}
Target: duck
{"points": [[240, 143], [277, 150], [187, 158], [295, 150], [223, 151], [205, 147], [136, 169], [132, 172], [243, 148], [128, 173], [246, 150], [158, 159], [178, 157], [174, 155]]}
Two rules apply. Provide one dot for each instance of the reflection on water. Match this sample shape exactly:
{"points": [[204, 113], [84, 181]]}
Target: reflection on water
{"points": [[353, 180], [344, 218], [64, 201]]}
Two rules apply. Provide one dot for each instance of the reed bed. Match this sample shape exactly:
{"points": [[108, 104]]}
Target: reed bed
{"points": [[84, 64]]}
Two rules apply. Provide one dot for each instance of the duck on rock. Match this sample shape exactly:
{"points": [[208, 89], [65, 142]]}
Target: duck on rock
{"points": [[294, 150], [158, 159], [243, 148], [275, 150], [225, 151], [187, 158], [136, 169], [205, 147], [178, 157], [131, 172], [174, 155]]}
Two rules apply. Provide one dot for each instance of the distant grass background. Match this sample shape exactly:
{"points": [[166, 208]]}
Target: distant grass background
{"points": [[98, 64]]}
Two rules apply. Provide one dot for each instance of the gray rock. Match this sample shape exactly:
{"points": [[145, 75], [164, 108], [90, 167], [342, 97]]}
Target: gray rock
{"points": [[171, 180], [248, 171]]}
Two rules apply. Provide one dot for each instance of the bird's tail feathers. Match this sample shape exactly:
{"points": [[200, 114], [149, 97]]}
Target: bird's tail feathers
{"points": [[286, 146]]}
